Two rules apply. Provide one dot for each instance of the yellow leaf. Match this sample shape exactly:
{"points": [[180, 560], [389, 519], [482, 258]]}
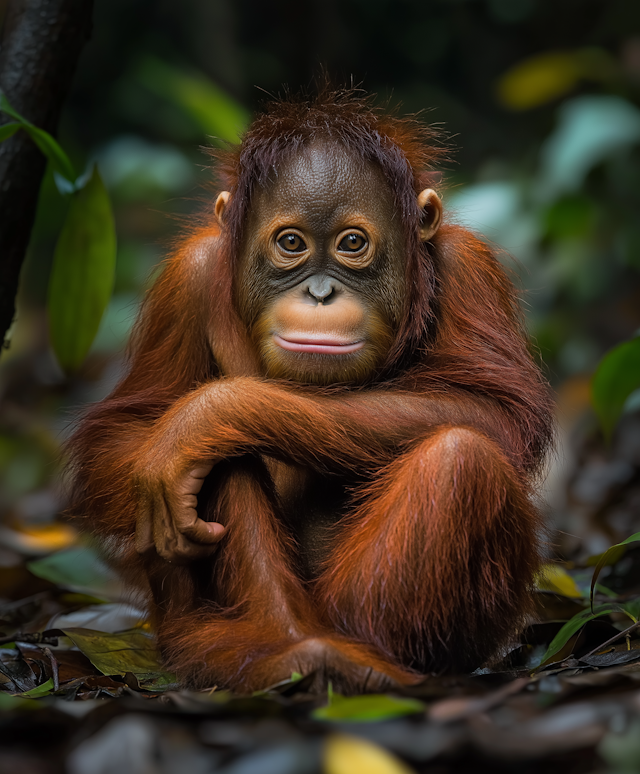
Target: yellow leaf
{"points": [[537, 80], [544, 77], [351, 755], [554, 578], [41, 539]]}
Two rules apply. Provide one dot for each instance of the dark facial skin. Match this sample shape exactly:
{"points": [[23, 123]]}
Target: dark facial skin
{"points": [[321, 283]]}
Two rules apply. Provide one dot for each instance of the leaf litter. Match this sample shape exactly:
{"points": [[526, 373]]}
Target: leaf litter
{"points": [[80, 673]]}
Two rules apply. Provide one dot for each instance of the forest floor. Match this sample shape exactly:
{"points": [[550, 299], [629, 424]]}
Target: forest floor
{"points": [[82, 689]]}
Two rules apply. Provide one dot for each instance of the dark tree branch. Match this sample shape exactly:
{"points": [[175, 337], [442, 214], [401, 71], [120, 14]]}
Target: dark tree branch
{"points": [[40, 48]]}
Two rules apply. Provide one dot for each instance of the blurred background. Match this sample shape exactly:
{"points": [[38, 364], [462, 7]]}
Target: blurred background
{"points": [[540, 101]]}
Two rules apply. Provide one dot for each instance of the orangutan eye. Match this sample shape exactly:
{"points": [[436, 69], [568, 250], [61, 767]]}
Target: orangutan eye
{"points": [[291, 243], [353, 242]]}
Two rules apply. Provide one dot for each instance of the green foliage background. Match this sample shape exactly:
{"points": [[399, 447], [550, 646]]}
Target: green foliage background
{"points": [[540, 105]]}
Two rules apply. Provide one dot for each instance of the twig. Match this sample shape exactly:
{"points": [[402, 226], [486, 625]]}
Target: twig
{"points": [[615, 637], [55, 670], [38, 638]]}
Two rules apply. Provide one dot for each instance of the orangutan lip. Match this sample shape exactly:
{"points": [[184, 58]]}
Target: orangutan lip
{"points": [[324, 346]]}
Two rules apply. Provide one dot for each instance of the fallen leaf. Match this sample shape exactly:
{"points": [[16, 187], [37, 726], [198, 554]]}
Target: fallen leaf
{"points": [[351, 755], [554, 578], [370, 707], [40, 690], [81, 568], [116, 654]]}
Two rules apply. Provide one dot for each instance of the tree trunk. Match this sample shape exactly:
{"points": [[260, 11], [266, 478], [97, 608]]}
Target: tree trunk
{"points": [[39, 51]]}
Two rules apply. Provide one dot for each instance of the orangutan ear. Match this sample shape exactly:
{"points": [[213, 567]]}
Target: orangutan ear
{"points": [[221, 205], [431, 209]]}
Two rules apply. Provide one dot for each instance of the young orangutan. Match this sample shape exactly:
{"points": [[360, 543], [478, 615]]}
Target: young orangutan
{"points": [[323, 455]]}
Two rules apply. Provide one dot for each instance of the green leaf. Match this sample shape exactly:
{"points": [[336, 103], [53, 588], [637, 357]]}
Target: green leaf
{"points": [[40, 690], [159, 682], [370, 707], [214, 110], [114, 654], [76, 568], [83, 273], [574, 625], [605, 559], [58, 158], [8, 130], [633, 608], [5, 106], [591, 129], [616, 377]]}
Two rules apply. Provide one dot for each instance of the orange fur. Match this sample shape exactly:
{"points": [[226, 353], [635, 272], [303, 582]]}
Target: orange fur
{"points": [[430, 559]]}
